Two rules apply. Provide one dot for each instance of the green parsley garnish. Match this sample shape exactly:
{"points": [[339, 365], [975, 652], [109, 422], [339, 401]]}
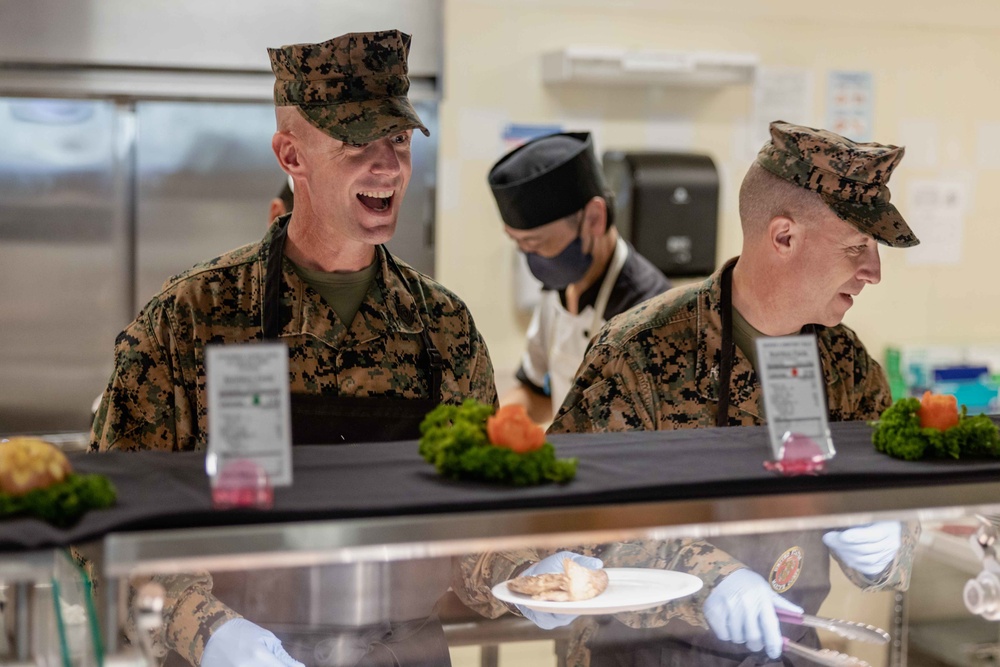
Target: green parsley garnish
{"points": [[898, 433], [453, 438], [63, 503]]}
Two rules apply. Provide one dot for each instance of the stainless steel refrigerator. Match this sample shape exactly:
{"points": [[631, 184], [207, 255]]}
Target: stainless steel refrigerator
{"points": [[101, 200]]}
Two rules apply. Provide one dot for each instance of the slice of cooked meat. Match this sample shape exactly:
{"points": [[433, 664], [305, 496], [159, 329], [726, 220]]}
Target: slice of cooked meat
{"points": [[576, 583]]}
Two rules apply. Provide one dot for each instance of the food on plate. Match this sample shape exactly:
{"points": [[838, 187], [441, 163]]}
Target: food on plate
{"points": [[576, 583], [462, 442], [934, 427], [36, 479]]}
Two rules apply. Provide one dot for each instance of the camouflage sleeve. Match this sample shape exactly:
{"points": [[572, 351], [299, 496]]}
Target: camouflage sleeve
{"points": [[137, 409], [475, 575], [696, 557], [872, 394], [610, 393], [897, 576], [190, 615]]}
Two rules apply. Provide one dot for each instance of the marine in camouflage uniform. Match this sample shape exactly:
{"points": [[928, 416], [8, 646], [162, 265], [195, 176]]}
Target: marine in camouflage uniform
{"points": [[354, 89], [657, 367], [156, 398]]}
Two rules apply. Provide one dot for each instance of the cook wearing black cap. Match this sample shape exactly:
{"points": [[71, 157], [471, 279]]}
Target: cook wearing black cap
{"points": [[555, 206]]}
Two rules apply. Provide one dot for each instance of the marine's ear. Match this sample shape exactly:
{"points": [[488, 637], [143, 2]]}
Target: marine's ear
{"points": [[783, 234], [290, 155]]}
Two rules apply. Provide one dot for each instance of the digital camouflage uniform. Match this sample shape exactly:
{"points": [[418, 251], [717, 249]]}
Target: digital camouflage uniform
{"points": [[353, 88], [656, 367], [156, 398]]}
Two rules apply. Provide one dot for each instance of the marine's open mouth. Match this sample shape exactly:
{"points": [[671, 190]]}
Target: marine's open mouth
{"points": [[376, 200]]}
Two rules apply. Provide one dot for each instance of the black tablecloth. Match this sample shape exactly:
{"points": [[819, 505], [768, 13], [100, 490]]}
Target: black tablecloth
{"points": [[163, 490]]}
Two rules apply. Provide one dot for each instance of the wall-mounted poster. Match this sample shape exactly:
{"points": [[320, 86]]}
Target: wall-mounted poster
{"points": [[849, 105]]}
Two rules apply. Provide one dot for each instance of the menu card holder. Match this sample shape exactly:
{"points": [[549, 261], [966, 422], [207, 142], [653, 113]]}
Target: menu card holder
{"points": [[792, 383], [249, 423]]}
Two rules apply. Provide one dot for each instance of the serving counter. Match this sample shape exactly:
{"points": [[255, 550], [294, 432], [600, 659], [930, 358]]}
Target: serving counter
{"points": [[370, 512]]}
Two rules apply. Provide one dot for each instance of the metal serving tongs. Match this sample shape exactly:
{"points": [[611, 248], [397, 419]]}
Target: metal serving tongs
{"points": [[848, 629], [823, 656]]}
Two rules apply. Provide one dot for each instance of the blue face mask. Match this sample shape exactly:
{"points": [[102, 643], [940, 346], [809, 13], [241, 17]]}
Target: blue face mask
{"points": [[562, 270]]}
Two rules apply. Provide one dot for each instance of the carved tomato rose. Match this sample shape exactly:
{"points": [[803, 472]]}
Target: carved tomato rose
{"points": [[511, 427], [938, 411]]}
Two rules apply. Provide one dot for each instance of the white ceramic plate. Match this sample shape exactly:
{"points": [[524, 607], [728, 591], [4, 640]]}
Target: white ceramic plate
{"points": [[629, 589]]}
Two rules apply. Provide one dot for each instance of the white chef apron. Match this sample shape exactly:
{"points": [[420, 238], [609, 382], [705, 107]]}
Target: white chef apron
{"points": [[571, 334]]}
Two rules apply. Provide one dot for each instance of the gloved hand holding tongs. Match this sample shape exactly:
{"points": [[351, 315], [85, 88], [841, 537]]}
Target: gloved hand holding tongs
{"points": [[744, 609]]}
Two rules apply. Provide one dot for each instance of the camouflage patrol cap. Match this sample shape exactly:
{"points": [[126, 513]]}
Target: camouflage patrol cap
{"points": [[352, 87], [852, 178]]}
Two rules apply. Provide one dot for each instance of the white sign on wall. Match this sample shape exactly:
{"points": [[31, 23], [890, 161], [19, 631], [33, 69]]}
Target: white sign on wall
{"points": [[849, 105], [779, 93], [935, 211]]}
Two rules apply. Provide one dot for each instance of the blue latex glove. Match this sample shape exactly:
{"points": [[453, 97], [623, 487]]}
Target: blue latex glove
{"points": [[869, 549], [240, 643], [553, 565], [741, 610]]}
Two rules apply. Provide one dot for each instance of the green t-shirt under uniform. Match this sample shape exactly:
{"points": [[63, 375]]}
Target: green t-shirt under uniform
{"points": [[344, 292], [744, 336]]}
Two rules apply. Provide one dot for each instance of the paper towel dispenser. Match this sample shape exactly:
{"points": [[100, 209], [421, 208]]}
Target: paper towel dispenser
{"points": [[667, 206]]}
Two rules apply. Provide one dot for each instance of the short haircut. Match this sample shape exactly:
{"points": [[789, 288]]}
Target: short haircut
{"points": [[764, 196]]}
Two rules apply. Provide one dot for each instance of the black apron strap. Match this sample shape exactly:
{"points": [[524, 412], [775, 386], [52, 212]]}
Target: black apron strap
{"points": [[726, 362], [271, 318], [434, 359], [436, 362]]}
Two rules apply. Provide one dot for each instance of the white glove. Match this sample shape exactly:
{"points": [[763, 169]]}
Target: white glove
{"points": [[240, 643], [868, 549], [741, 610], [553, 565]]}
